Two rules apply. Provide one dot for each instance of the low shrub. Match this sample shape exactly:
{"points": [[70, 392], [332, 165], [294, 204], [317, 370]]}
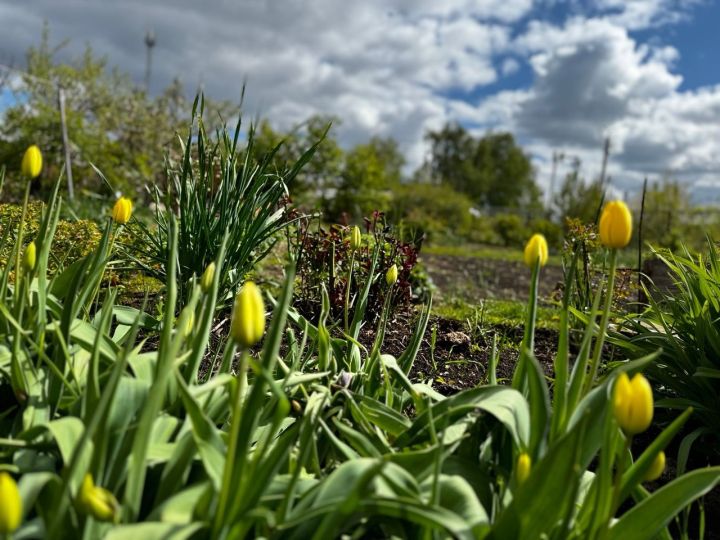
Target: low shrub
{"points": [[326, 260], [684, 325], [218, 189]]}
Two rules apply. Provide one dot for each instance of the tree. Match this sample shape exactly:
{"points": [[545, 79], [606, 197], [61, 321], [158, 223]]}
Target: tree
{"points": [[665, 220], [578, 199], [322, 172], [370, 171], [493, 170], [112, 123]]}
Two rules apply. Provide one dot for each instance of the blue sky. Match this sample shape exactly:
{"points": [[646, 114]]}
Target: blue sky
{"points": [[560, 74]]}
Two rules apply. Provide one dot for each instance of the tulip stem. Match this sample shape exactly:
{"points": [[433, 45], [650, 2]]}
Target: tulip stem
{"points": [[235, 421], [600, 341], [347, 291]]}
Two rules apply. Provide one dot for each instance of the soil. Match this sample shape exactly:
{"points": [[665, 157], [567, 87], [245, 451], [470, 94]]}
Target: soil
{"points": [[475, 279], [459, 360]]}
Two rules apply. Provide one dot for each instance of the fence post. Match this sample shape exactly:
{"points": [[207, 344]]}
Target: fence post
{"points": [[66, 143]]}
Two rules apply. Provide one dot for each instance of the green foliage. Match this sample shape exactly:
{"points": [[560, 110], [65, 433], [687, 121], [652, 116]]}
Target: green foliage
{"points": [[493, 170], [111, 123], [322, 172], [370, 171], [326, 262], [73, 239], [578, 199], [214, 191], [316, 439], [436, 211], [685, 323]]}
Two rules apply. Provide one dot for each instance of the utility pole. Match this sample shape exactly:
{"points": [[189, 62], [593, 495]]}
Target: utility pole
{"points": [[149, 44], [66, 143], [606, 154], [557, 157]]}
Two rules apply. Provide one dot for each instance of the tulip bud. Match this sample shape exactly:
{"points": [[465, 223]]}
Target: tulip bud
{"points": [[522, 469], [31, 165], [392, 275], [10, 504], [29, 257], [122, 211], [206, 281], [189, 323], [355, 238], [536, 251], [248, 316], [97, 501], [633, 403], [656, 469], [615, 225]]}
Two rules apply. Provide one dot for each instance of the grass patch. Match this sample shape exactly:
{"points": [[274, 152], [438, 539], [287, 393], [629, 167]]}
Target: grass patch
{"points": [[497, 312], [484, 252]]}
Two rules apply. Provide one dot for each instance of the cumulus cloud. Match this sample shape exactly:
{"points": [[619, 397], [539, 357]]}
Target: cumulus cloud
{"points": [[401, 67]]}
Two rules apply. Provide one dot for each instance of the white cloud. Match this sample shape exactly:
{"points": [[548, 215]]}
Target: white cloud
{"points": [[593, 80], [388, 67]]}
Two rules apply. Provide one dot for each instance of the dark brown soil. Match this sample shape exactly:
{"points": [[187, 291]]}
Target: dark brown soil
{"points": [[459, 359], [475, 279]]}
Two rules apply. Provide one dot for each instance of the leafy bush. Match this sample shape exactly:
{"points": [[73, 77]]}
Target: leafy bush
{"points": [[439, 212], [325, 260], [216, 190], [73, 239], [685, 323], [511, 229]]}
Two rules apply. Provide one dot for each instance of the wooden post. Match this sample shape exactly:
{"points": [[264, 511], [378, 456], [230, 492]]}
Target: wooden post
{"points": [[66, 143], [640, 242]]}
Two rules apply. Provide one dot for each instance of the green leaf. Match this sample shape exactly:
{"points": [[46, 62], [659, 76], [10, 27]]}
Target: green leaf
{"points": [[647, 519], [156, 531], [207, 438], [504, 403], [541, 502]]}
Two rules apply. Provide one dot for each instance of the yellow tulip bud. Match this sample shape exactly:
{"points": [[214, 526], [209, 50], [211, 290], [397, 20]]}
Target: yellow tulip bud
{"points": [[10, 504], [392, 275], [248, 316], [522, 469], [656, 469], [189, 323], [355, 238], [31, 165], [615, 225], [206, 281], [122, 211], [97, 501], [536, 251], [633, 403], [29, 257]]}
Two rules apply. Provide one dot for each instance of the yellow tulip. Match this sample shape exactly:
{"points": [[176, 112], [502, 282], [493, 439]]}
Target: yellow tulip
{"points": [[536, 250], [31, 165], [392, 275], [97, 501], [206, 280], [122, 210], [522, 469], [615, 225], [633, 403], [355, 238], [30, 257], [248, 316], [656, 469], [10, 504]]}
